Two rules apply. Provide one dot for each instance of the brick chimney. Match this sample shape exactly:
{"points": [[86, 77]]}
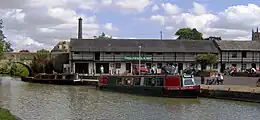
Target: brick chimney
{"points": [[80, 29]]}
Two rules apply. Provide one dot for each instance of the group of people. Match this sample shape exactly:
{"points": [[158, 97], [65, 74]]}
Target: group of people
{"points": [[217, 78]]}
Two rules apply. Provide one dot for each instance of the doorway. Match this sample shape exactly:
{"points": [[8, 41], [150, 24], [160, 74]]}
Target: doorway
{"points": [[105, 65], [222, 68], [180, 67], [128, 67], [253, 65], [81, 68]]}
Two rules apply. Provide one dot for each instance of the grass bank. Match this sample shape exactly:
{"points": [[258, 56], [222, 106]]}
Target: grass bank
{"points": [[6, 115]]}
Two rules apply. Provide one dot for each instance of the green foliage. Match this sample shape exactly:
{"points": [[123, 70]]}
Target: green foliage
{"points": [[206, 59], [6, 115], [14, 69], [41, 62], [5, 45], [103, 37], [189, 34]]}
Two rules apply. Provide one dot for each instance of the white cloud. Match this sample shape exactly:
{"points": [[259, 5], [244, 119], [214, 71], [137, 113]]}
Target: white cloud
{"points": [[110, 27], [199, 9], [158, 18], [169, 28], [107, 2], [133, 5], [171, 8], [155, 8], [34, 24], [235, 22]]}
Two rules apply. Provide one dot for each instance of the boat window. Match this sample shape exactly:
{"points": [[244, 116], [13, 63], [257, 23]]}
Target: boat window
{"points": [[160, 81], [59, 76], [137, 81], [188, 81], [154, 81], [52, 77], [45, 77], [120, 81]]}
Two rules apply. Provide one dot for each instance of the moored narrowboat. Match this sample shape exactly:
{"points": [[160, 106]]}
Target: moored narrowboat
{"points": [[151, 85], [54, 78]]}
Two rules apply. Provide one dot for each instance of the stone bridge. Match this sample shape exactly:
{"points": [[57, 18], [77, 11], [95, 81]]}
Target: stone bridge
{"points": [[26, 64]]}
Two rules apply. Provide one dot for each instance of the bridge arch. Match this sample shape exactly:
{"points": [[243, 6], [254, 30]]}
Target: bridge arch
{"points": [[30, 70]]}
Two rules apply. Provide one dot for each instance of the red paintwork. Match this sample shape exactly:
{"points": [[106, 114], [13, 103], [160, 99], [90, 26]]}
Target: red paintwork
{"points": [[172, 81], [103, 80]]}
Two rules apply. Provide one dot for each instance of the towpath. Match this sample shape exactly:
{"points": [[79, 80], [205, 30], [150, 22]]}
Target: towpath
{"points": [[238, 88]]}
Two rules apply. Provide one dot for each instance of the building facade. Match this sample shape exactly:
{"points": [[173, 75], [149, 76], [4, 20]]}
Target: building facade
{"points": [[88, 55], [240, 54]]}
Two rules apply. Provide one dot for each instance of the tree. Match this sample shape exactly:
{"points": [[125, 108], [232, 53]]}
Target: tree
{"points": [[189, 34], [6, 45], [206, 59], [103, 36], [41, 62]]}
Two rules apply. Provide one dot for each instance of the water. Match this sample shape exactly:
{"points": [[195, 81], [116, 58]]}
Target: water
{"points": [[55, 102]]}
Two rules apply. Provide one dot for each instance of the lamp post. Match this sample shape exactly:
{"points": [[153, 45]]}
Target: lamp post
{"points": [[139, 58]]}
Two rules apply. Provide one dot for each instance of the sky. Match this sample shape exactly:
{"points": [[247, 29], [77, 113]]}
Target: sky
{"points": [[38, 24]]}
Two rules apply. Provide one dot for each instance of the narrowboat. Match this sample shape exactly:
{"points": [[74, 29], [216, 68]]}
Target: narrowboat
{"points": [[152, 85], [53, 78]]}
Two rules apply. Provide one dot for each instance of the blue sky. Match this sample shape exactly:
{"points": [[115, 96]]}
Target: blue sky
{"points": [[41, 24], [133, 25]]}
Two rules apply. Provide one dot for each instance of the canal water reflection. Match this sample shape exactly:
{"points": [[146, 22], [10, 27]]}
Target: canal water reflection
{"points": [[59, 102]]}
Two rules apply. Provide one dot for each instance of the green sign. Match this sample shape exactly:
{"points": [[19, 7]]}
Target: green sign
{"points": [[137, 58]]}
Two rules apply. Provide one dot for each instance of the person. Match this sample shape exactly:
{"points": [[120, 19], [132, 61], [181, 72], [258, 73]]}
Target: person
{"points": [[102, 69], [153, 70], [253, 70]]}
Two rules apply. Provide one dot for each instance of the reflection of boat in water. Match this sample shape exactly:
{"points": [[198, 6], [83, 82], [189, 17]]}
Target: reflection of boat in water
{"points": [[151, 85], [53, 78]]}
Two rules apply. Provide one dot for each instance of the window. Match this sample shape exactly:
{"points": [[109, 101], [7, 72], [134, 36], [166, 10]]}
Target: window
{"points": [[244, 54], [76, 52], [234, 54], [108, 53], [159, 53], [159, 65], [149, 53], [118, 65], [188, 81], [117, 53], [215, 66], [243, 67]]}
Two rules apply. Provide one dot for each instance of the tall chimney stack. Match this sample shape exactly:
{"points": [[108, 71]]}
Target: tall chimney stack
{"points": [[80, 29]]}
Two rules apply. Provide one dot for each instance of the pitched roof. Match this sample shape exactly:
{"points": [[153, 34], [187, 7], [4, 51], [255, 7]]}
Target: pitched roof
{"points": [[232, 45], [148, 45], [61, 46]]}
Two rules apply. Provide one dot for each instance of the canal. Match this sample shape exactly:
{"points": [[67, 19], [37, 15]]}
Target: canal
{"points": [[59, 102]]}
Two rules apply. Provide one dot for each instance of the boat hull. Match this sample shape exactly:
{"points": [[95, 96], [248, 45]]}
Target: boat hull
{"points": [[152, 91], [61, 82]]}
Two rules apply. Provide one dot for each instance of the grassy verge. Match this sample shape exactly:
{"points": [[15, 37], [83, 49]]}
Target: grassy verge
{"points": [[6, 115]]}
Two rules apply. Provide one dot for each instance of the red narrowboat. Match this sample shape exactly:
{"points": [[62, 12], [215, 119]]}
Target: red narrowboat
{"points": [[152, 85]]}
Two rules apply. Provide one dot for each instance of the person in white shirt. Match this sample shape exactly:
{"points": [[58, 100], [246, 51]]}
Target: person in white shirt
{"points": [[102, 69], [253, 70]]}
